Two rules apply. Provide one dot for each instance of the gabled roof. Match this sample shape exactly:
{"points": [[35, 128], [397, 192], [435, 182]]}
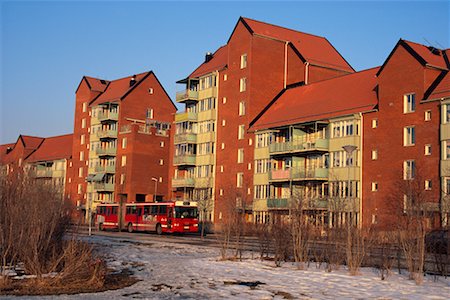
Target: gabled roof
{"points": [[53, 148], [442, 90], [94, 84], [426, 56], [348, 94], [31, 142], [118, 88], [218, 62], [314, 49]]}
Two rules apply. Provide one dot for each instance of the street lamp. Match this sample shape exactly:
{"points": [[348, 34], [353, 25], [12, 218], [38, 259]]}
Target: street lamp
{"points": [[156, 188], [349, 149]]}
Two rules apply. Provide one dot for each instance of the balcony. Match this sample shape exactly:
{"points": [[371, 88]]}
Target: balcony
{"points": [[318, 145], [187, 159], [105, 169], [277, 203], [110, 151], [183, 182], [185, 138], [44, 173], [187, 95], [108, 116], [186, 116], [298, 174], [317, 204], [107, 134], [104, 187]]}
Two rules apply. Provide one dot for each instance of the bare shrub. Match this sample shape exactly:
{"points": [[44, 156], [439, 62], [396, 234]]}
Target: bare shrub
{"points": [[334, 250], [300, 231], [33, 232], [282, 242], [262, 232], [357, 242]]}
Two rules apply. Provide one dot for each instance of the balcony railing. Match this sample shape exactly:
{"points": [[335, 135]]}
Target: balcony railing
{"points": [[105, 169], [187, 95], [104, 187], [297, 146], [108, 116], [110, 151], [183, 182], [277, 203], [185, 138], [296, 174], [188, 159], [186, 116], [103, 134], [44, 173]]}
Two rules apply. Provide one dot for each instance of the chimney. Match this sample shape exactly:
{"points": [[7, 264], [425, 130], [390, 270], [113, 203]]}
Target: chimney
{"points": [[132, 80], [208, 56]]}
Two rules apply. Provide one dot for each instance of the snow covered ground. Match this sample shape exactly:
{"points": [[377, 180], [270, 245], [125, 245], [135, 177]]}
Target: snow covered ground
{"points": [[177, 271]]}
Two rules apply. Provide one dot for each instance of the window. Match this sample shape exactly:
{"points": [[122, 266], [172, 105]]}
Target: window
{"points": [[409, 169], [124, 143], [428, 149], [374, 123], [243, 61], [223, 146], [82, 139], [223, 122], [221, 169], [374, 154], [80, 172], [150, 91], [225, 77], [122, 178], [249, 166], [409, 137], [80, 188], [427, 185], [124, 160], [374, 186], [250, 142], [224, 100], [241, 132], [446, 108], [84, 106], [239, 179], [243, 84], [240, 158], [161, 162], [221, 192], [263, 139], [161, 144], [149, 114], [409, 103], [428, 115], [83, 123], [81, 155], [242, 108], [446, 149]]}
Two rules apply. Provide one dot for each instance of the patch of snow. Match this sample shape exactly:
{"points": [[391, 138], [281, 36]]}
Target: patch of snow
{"points": [[178, 271]]}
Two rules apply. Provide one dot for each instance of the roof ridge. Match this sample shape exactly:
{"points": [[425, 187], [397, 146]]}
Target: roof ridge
{"points": [[125, 77], [290, 29], [56, 136], [345, 75]]}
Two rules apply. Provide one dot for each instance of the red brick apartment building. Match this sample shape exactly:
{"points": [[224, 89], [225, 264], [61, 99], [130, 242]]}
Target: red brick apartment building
{"points": [[276, 115], [121, 141], [46, 158]]}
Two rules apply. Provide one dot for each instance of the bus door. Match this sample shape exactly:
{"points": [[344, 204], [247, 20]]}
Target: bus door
{"points": [[169, 216]]}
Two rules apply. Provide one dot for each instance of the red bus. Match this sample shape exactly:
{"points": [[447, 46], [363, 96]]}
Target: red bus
{"points": [[164, 217]]}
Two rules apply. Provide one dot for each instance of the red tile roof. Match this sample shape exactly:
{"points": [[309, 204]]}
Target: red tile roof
{"points": [[3, 149], [322, 100], [218, 62], [117, 89], [53, 148], [315, 49], [31, 142], [96, 84], [442, 90], [436, 60]]}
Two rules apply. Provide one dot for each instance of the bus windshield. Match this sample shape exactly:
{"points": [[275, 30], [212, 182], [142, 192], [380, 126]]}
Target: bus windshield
{"points": [[185, 212]]}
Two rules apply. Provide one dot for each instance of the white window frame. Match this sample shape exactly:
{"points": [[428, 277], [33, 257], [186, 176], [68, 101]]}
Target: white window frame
{"points": [[239, 179], [428, 149], [374, 186], [374, 123], [427, 115], [240, 156], [409, 136], [241, 131], [242, 108], [243, 84], [409, 103], [244, 61], [409, 169], [374, 154]]}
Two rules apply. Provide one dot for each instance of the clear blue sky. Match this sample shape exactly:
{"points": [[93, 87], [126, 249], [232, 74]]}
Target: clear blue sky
{"points": [[46, 47]]}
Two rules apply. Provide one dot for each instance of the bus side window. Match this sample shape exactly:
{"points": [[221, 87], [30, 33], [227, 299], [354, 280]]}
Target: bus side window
{"points": [[139, 211], [114, 210], [163, 210], [108, 210], [128, 210], [154, 210], [146, 210]]}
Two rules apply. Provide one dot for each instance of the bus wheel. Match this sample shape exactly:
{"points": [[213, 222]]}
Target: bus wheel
{"points": [[158, 229], [130, 227], [100, 227]]}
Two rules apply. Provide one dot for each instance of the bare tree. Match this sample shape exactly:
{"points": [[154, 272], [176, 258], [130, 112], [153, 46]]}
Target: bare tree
{"points": [[300, 227], [203, 195]]}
